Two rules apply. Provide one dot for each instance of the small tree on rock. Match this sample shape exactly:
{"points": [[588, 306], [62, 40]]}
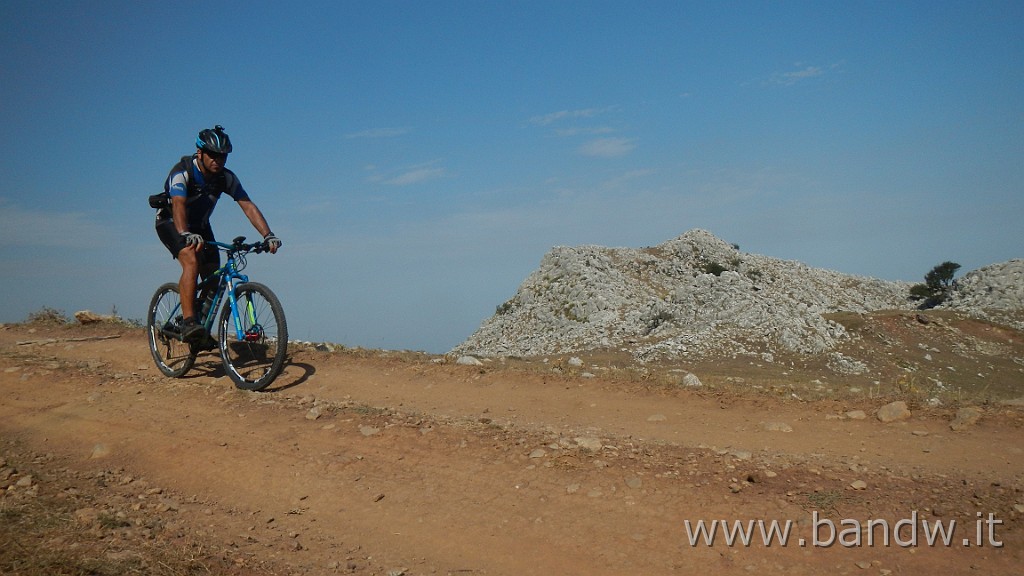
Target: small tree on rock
{"points": [[937, 285]]}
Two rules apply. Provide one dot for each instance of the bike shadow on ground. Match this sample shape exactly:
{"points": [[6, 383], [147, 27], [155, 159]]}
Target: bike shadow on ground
{"points": [[292, 374]]}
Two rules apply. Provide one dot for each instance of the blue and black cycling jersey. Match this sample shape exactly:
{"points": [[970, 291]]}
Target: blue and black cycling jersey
{"points": [[201, 193]]}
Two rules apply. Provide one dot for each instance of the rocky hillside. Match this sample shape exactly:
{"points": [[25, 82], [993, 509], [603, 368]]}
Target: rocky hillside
{"points": [[993, 293], [696, 295]]}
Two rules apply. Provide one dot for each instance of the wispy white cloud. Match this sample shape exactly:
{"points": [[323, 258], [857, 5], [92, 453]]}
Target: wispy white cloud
{"points": [[574, 123], [377, 133], [416, 174], [404, 176], [801, 74], [581, 131], [608, 147], [547, 119]]}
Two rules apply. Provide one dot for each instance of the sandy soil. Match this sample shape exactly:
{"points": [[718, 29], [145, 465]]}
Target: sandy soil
{"points": [[375, 464]]}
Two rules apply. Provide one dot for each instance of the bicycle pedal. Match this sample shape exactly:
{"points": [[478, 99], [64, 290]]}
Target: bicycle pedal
{"points": [[204, 345], [193, 334]]}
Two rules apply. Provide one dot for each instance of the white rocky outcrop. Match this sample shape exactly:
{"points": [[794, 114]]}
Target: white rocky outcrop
{"points": [[688, 297], [994, 292]]}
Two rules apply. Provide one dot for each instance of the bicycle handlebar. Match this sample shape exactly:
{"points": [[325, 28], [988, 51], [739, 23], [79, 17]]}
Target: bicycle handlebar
{"points": [[238, 245]]}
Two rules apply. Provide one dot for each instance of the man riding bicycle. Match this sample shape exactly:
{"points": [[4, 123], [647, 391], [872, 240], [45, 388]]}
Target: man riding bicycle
{"points": [[193, 186]]}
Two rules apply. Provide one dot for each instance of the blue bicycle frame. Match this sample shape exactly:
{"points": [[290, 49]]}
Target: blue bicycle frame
{"points": [[226, 278], [253, 342]]}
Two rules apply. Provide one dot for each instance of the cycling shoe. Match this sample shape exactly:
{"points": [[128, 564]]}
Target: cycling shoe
{"points": [[192, 332]]}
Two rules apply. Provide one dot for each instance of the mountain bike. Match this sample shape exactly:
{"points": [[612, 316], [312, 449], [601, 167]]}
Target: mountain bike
{"points": [[252, 334]]}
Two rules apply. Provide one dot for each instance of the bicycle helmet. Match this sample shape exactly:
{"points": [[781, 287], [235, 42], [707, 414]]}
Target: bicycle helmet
{"points": [[214, 140]]}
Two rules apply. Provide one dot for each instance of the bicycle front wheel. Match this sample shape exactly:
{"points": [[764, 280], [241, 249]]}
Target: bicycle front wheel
{"points": [[163, 323], [254, 360]]}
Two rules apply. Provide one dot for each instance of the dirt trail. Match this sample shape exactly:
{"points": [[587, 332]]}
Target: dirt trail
{"points": [[377, 465]]}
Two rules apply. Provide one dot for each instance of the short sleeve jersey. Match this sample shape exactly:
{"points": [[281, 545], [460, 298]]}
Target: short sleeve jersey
{"points": [[202, 195]]}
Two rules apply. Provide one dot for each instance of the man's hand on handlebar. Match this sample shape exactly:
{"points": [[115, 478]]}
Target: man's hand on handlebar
{"points": [[272, 242]]}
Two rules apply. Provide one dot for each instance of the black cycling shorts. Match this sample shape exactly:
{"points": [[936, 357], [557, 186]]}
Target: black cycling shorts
{"points": [[209, 256]]}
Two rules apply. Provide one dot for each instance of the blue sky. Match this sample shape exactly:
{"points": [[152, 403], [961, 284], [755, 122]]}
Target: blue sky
{"points": [[418, 158]]}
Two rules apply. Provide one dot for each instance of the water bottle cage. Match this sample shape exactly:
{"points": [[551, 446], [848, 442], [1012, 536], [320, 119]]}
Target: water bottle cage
{"points": [[203, 304]]}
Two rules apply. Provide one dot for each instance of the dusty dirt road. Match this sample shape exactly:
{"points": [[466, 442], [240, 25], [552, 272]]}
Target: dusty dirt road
{"points": [[369, 464]]}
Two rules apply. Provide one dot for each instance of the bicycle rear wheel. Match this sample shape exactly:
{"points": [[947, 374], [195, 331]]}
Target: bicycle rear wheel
{"points": [[163, 323], [253, 361]]}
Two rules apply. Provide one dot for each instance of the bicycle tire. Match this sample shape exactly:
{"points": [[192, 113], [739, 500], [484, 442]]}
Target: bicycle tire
{"points": [[172, 356], [255, 361]]}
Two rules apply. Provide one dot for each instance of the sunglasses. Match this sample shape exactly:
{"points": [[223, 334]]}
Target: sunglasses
{"points": [[216, 155]]}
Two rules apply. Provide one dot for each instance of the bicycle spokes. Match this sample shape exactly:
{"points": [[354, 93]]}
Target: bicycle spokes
{"points": [[254, 339], [172, 356]]}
